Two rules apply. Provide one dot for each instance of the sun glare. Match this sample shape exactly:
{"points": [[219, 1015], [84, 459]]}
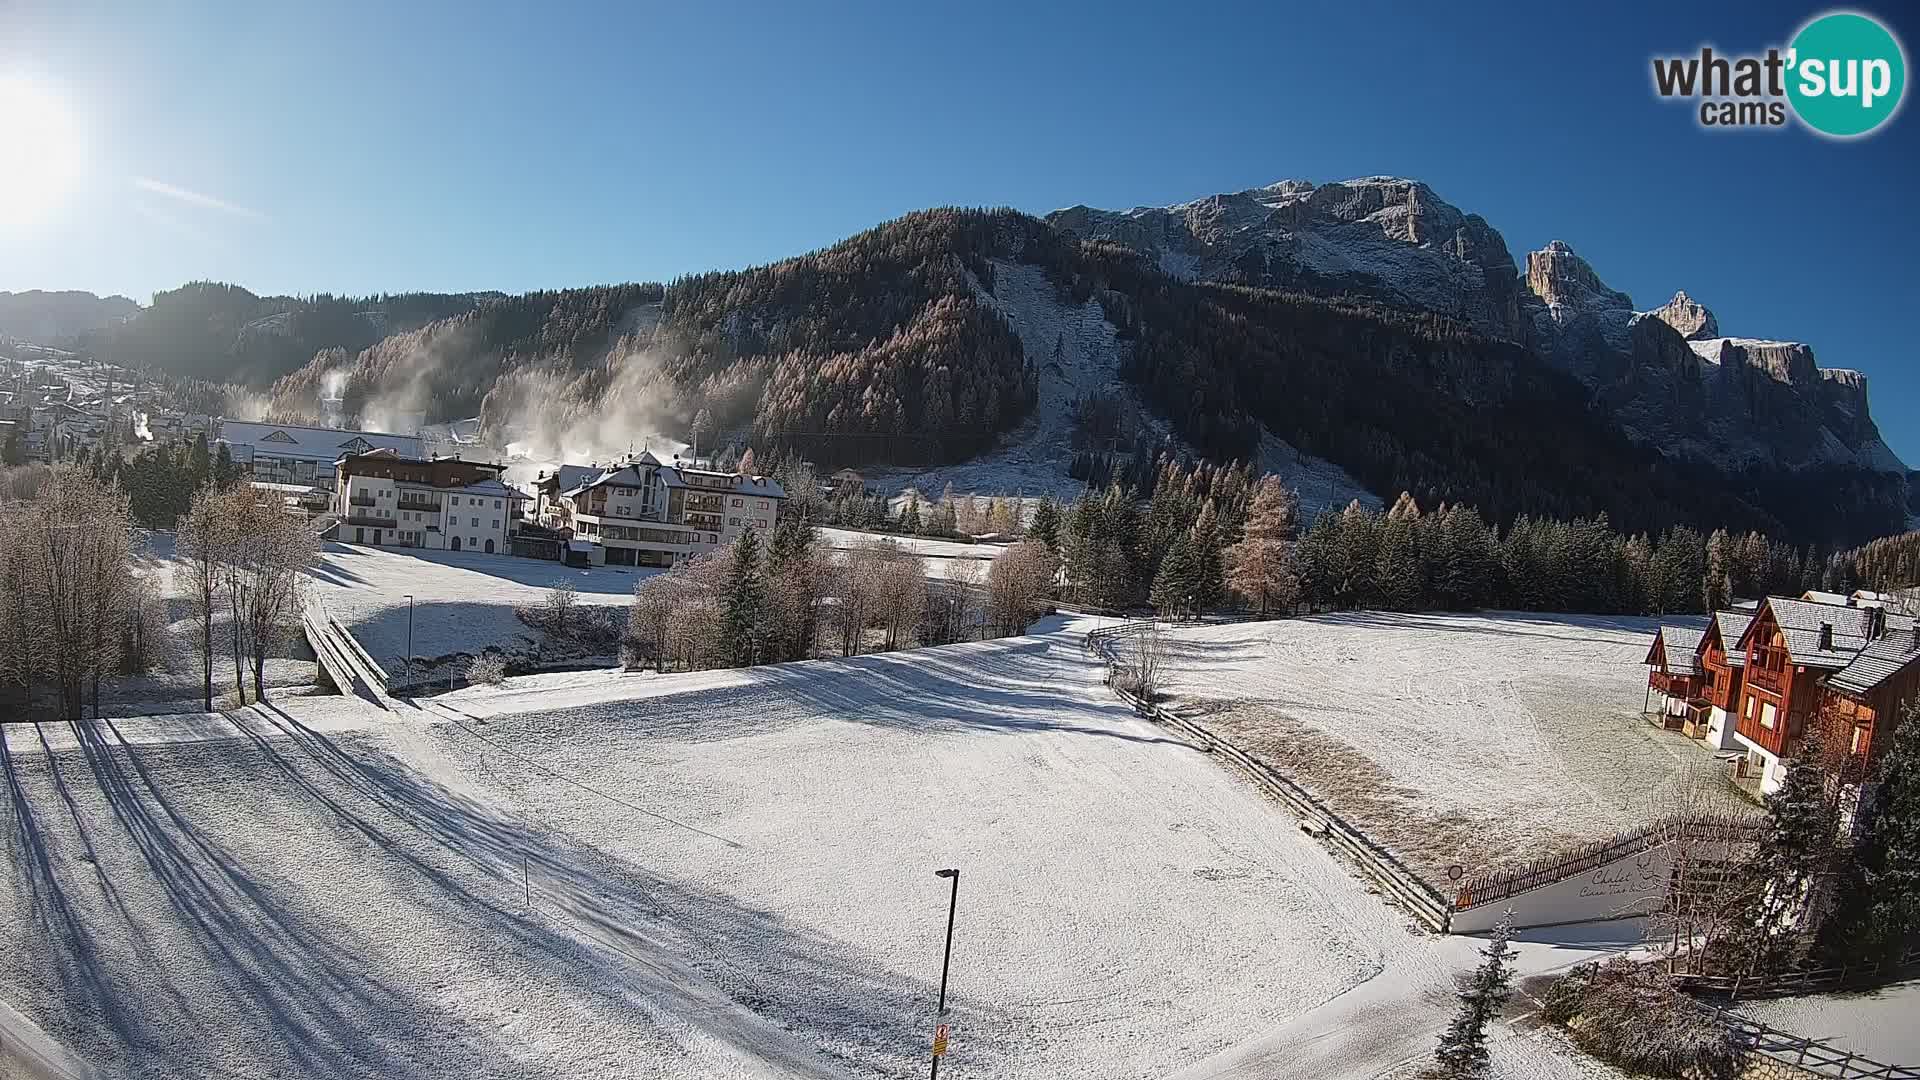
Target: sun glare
{"points": [[39, 151]]}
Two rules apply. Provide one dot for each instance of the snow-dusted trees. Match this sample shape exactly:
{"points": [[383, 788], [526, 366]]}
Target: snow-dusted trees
{"points": [[266, 556], [1462, 1052], [1018, 585], [743, 609], [878, 586], [200, 545], [68, 589], [1260, 567]]}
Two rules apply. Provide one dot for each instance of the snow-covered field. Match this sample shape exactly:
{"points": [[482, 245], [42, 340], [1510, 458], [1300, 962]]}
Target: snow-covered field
{"points": [[462, 601], [731, 881], [939, 556], [722, 874], [1470, 739]]}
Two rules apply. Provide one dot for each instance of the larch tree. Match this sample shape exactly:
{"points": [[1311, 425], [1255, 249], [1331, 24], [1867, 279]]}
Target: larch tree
{"points": [[201, 545]]}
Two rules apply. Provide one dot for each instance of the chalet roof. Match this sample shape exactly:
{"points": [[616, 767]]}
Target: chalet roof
{"points": [[1877, 663], [313, 443], [630, 475], [1817, 597], [1732, 626], [1801, 621], [1682, 644]]}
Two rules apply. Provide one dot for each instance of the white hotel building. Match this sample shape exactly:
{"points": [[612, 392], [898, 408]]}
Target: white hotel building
{"points": [[648, 513], [384, 499]]}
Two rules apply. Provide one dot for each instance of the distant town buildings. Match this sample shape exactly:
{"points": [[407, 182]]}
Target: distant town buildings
{"points": [[298, 457]]}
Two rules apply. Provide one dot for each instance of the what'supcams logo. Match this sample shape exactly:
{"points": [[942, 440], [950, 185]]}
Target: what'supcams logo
{"points": [[1843, 75]]}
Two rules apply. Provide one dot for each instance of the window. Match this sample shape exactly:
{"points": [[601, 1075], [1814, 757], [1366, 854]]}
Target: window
{"points": [[760, 504], [476, 522], [453, 500], [737, 502], [496, 523], [496, 504], [473, 541], [733, 521], [1767, 715]]}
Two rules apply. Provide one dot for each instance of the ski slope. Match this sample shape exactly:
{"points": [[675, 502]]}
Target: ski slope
{"points": [[730, 875]]}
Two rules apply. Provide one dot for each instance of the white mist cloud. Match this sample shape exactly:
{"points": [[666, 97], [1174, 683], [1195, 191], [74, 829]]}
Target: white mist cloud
{"points": [[195, 198]]}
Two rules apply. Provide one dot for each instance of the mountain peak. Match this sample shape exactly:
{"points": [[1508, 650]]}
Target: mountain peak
{"points": [[1688, 316]]}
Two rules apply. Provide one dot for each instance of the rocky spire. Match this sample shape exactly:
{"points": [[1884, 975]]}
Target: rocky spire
{"points": [[1688, 316]]}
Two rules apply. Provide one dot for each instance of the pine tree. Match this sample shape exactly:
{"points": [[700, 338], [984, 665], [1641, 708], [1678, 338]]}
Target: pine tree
{"points": [[1046, 524], [745, 602], [1175, 584], [1396, 572], [1880, 913], [1463, 1046], [1209, 569], [910, 517], [1791, 866]]}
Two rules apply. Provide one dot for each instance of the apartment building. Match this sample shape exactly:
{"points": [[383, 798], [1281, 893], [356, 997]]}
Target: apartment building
{"points": [[382, 498], [645, 512], [292, 455]]}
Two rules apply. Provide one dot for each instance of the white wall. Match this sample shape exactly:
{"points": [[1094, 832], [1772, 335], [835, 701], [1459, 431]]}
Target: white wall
{"points": [[1625, 888]]}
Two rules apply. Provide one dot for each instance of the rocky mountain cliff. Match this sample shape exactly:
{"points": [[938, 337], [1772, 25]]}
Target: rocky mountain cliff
{"points": [[1667, 376], [1380, 237], [57, 318]]}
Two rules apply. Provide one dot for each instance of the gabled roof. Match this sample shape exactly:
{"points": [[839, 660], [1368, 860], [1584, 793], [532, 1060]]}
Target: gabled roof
{"points": [[1680, 647], [1732, 626], [1800, 623], [313, 443], [1877, 663], [1817, 597]]}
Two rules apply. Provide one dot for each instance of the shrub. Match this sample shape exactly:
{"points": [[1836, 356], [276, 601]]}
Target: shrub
{"points": [[487, 669], [1633, 1016]]}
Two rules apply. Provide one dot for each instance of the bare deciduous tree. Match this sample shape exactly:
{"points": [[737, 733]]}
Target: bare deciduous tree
{"points": [[198, 571], [1018, 585]]}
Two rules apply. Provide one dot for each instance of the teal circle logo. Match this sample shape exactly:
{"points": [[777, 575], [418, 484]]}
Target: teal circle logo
{"points": [[1847, 74]]}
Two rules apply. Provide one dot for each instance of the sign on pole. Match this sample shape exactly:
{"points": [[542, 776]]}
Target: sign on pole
{"points": [[940, 1040]]}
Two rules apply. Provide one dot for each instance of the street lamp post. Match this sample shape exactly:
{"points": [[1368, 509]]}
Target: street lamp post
{"points": [[409, 644], [953, 901]]}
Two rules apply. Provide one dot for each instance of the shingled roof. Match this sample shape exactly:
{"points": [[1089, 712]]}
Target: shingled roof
{"points": [[1878, 662], [1681, 648], [1801, 622], [1732, 626]]}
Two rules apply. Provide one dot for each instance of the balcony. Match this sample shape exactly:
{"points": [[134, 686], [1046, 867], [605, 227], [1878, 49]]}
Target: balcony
{"points": [[368, 520], [429, 505], [360, 500]]}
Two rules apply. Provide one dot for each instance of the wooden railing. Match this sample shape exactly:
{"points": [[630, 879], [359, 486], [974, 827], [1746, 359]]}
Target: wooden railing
{"points": [[1803, 981], [1811, 1056], [1490, 887]]}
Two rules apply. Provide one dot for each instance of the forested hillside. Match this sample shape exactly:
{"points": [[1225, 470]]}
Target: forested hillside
{"points": [[223, 333], [892, 347]]}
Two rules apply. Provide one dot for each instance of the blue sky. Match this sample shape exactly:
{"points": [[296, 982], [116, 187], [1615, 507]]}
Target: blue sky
{"points": [[367, 147]]}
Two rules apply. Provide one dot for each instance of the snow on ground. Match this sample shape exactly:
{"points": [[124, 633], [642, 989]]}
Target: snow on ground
{"points": [[1877, 1024], [1471, 739], [1320, 483], [939, 556], [726, 882], [462, 601], [1032, 459]]}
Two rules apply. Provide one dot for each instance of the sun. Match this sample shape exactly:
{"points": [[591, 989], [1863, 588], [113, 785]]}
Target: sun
{"points": [[40, 151]]}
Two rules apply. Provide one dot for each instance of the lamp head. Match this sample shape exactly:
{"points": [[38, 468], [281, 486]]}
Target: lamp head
{"points": [[946, 873]]}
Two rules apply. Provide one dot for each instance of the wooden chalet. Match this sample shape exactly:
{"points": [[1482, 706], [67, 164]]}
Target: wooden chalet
{"points": [[1723, 669], [1793, 650], [1674, 674], [1865, 697]]}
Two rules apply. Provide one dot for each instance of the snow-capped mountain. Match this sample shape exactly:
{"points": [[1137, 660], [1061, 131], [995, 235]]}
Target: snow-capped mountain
{"points": [[1379, 236], [1667, 375]]}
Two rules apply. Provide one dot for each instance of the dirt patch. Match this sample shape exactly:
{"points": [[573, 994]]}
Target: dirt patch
{"points": [[1426, 839]]}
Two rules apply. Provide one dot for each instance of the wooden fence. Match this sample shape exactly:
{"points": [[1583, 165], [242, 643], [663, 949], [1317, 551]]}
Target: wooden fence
{"points": [[1809, 1057], [1490, 887], [1805, 981], [1376, 862]]}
